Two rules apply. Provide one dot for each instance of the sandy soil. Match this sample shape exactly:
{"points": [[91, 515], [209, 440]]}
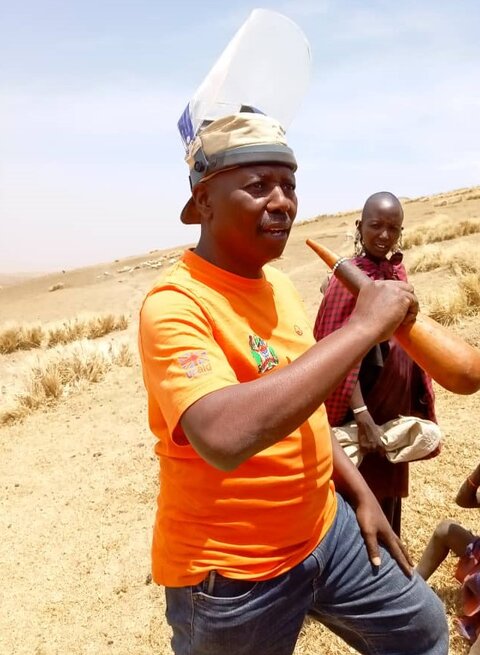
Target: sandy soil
{"points": [[78, 481]]}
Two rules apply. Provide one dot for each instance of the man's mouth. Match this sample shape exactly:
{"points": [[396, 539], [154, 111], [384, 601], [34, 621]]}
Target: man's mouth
{"points": [[277, 231], [276, 227]]}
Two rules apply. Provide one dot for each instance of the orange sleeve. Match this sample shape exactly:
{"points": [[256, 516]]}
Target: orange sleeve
{"points": [[181, 360]]}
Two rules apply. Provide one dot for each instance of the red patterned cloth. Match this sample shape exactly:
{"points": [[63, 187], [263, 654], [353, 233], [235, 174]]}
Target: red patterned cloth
{"points": [[385, 401]]}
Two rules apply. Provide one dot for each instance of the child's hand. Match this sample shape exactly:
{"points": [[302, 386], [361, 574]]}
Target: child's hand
{"points": [[369, 434], [474, 477], [467, 494]]}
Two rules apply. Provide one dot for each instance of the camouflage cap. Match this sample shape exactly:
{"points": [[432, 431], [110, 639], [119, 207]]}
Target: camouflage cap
{"points": [[237, 140]]}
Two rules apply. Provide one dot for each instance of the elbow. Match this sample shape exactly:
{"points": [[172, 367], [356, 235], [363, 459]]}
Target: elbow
{"points": [[222, 461], [219, 456], [466, 503], [226, 464], [220, 444]]}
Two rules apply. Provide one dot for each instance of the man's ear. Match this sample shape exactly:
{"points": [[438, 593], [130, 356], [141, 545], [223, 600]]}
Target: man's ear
{"points": [[201, 197]]}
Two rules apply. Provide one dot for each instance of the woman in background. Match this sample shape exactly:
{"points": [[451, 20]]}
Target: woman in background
{"points": [[387, 382]]}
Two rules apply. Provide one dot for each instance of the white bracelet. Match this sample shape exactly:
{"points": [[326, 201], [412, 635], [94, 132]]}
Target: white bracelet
{"points": [[358, 410], [338, 262]]}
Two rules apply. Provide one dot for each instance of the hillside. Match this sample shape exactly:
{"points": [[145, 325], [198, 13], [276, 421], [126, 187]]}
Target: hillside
{"points": [[10, 279], [79, 478]]}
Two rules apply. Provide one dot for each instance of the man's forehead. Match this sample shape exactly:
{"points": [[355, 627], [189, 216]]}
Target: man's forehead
{"points": [[264, 170], [241, 175]]}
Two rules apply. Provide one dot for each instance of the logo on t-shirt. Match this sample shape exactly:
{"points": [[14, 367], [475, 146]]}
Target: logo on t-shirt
{"points": [[195, 363], [263, 354]]}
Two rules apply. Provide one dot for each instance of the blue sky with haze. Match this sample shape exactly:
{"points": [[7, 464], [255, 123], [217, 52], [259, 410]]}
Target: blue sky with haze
{"points": [[91, 163]]}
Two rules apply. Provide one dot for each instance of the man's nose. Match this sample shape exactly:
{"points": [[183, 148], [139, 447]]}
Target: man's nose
{"points": [[278, 201]]}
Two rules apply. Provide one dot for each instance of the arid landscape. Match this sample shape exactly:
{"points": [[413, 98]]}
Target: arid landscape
{"points": [[78, 474]]}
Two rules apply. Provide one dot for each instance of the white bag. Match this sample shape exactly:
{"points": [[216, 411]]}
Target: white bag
{"points": [[406, 439]]}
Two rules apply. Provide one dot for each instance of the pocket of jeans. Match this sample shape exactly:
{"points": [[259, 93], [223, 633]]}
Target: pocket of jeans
{"points": [[224, 589]]}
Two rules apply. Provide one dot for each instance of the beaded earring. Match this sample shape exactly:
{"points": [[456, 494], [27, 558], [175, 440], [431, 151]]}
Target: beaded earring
{"points": [[398, 247], [357, 241], [397, 255]]}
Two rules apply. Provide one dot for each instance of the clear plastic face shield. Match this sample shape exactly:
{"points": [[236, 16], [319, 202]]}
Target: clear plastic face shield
{"points": [[264, 69]]}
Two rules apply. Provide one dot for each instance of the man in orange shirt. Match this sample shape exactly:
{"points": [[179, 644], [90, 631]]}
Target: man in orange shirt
{"points": [[251, 534]]}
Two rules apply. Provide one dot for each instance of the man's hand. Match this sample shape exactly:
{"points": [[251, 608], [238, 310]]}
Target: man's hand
{"points": [[372, 521], [369, 433], [375, 528], [383, 305]]}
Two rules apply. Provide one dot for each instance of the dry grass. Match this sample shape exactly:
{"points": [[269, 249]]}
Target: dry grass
{"points": [[448, 308], [20, 337], [85, 328], [62, 371], [63, 333], [461, 302], [441, 232], [25, 337], [427, 259], [430, 258], [56, 286], [470, 286]]}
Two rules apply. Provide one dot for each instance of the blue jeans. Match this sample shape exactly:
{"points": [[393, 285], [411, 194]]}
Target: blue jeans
{"points": [[375, 610]]}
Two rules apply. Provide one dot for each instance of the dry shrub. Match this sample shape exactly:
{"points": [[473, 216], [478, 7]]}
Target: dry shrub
{"points": [[463, 229], [470, 285], [85, 328], [101, 325], [431, 258], [24, 337], [448, 308], [56, 286], [442, 232], [62, 371], [412, 239], [20, 337], [460, 302], [463, 265], [124, 355], [64, 333], [427, 259]]}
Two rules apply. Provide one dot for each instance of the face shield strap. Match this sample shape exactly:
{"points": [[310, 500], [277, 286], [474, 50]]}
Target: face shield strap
{"points": [[261, 154]]}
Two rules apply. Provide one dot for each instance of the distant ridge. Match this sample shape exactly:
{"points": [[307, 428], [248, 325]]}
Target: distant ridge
{"points": [[10, 279], [466, 197]]}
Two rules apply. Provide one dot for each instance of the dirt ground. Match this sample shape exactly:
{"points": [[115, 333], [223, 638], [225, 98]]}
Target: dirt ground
{"points": [[78, 480]]}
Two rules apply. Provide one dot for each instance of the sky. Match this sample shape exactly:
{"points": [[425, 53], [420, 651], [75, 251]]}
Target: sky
{"points": [[91, 163]]}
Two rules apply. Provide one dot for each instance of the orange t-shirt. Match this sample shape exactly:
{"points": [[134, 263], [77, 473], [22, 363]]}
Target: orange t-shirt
{"points": [[202, 329]]}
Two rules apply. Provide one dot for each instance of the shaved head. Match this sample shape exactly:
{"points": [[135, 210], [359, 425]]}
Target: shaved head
{"points": [[380, 227], [382, 200]]}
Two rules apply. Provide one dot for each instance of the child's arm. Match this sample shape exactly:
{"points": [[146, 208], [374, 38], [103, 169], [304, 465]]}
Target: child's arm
{"points": [[448, 536], [467, 494]]}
